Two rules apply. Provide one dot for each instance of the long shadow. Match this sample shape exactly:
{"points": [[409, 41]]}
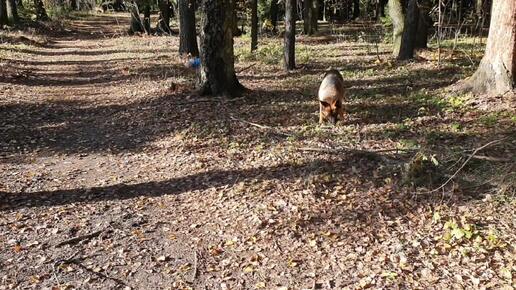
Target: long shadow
{"points": [[84, 52], [198, 181], [91, 73]]}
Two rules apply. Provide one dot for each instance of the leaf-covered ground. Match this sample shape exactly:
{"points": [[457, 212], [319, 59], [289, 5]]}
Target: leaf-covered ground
{"points": [[115, 174]]}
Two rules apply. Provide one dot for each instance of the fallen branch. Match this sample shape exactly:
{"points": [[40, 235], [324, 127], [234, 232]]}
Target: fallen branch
{"points": [[260, 126], [79, 238], [490, 158], [340, 150], [466, 162]]}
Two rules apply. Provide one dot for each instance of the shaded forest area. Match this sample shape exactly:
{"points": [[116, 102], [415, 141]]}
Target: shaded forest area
{"points": [[177, 145]]}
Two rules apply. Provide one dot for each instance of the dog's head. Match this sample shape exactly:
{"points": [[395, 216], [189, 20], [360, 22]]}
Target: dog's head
{"points": [[330, 110]]}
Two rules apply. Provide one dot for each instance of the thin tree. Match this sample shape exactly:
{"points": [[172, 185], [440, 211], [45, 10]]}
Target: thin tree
{"points": [[3, 13], [217, 73], [290, 35], [496, 73], [254, 25], [187, 33], [41, 12], [356, 9], [307, 17], [12, 12], [315, 15], [274, 15]]}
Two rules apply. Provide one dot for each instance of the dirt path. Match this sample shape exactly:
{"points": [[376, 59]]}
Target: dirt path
{"points": [[100, 141]]}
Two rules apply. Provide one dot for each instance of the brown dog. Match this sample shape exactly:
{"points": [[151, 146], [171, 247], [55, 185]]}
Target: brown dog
{"points": [[331, 96]]}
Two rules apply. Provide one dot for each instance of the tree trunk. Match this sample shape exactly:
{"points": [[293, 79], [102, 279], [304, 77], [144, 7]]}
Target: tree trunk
{"points": [[217, 75], [423, 25], [307, 17], [165, 11], [254, 25], [496, 73], [12, 12], [356, 9], [408, 39], [3, 13], [290, 35], [315, 15], [136, 22], [41, 13], [274, 15], [398, 22], [146, 18], [187, 33]]}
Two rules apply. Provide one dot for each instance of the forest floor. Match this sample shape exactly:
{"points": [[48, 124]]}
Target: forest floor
{"points": [[114, 173]]}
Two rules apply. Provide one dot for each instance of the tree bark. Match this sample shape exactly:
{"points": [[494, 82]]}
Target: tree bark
{"points": [[398, 23], [166, 12], [356, 9], [254, 25], [496, 73], [408, 39], [217, 75], [12, 12], [187, 33], [41, 13], [146, 18], [307, 17], [290, 35], [3, 13], [315, 15], [274, 15], [136, 24], [423, 25]]}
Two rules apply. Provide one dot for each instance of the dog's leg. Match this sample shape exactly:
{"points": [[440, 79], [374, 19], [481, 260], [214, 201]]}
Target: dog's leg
{"points": [[321, 119]]}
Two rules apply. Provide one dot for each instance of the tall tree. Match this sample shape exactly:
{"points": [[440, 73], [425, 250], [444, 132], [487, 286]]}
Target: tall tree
{"points": [[187, 33], [424, 23], [496, 73], [41, 12], [217, 75], [146, 17], [3, 13], [408, 38], [166, 11], [254, 25], [12, 12], [290, 34], [398, 23], [307, 17], [315, 15], [274, 15], [356, 9]]}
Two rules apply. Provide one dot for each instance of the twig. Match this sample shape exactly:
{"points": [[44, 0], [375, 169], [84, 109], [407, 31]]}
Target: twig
{"points": [[79, 238], [489, 158], [194, 274], [246, 68], [466, 162], [260, 126]]}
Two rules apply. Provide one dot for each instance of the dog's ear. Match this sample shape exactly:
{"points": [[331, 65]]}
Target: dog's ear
{"points": [[324, 104]]}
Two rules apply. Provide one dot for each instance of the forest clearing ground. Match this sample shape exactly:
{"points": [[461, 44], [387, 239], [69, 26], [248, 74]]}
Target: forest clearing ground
{"points": [[100, 133]]}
